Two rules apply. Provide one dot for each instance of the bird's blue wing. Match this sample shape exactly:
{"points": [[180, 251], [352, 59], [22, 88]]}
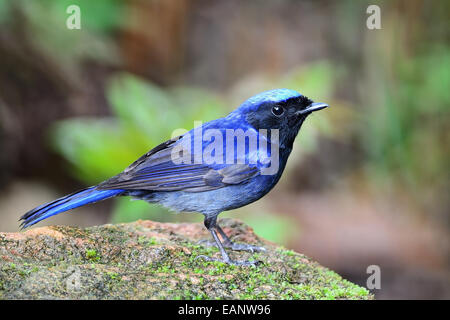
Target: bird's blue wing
{"points": [[157, 170]]}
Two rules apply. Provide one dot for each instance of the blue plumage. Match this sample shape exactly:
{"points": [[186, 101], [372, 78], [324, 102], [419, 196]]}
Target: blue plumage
{"points": [[72, 201], [222, 165]]}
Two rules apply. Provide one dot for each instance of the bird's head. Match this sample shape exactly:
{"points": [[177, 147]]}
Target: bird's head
{"points": [[281, 109]]}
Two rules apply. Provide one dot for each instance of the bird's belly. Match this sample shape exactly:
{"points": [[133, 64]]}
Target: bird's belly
{"points": [[215, 201]]}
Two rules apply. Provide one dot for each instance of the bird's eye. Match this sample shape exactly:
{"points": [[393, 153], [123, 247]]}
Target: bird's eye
{"points": [[277, 110]]}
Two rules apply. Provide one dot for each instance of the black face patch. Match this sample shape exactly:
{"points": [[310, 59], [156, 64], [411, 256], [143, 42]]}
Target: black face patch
{"points": [[268, 116]]}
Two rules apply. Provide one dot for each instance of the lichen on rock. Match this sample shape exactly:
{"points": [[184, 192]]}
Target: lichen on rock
{"points": [[151, 260]]}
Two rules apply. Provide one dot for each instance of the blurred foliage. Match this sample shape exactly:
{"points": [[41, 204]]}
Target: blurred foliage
{"points": [[98, 16], [43, 27], [270, 225], [406, 136]]}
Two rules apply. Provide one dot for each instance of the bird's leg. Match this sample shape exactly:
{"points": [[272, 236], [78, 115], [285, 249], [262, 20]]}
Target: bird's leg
{"points": [[210, 224], [237, 246], [227, 243]]}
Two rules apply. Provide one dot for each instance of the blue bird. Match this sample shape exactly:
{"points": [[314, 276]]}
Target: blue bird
{"points": [[221, 165]]}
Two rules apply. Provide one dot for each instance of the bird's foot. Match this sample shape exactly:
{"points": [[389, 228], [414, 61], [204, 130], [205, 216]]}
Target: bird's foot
{"points": [[229, 261], [234, 246]]}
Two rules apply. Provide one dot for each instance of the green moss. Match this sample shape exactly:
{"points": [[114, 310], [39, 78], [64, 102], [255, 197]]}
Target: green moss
{"points": [[147, 241], [113, 275], [92, 255], [122, 262]]}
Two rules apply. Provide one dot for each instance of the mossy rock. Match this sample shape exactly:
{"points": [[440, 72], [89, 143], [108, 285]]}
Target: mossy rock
{"points": [[150, 260]]}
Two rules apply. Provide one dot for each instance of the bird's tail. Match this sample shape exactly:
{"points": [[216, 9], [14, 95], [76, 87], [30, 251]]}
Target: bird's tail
{"points": [[71, 201]]}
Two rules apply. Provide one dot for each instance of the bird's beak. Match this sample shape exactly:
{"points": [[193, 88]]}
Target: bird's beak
{"points": [[313, 107]]}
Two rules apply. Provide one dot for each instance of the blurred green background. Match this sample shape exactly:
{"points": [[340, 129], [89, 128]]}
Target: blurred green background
{"points": [[368, 180]]}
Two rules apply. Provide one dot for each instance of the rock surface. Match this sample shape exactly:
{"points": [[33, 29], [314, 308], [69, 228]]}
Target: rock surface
{"points": [[150, 260]]}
